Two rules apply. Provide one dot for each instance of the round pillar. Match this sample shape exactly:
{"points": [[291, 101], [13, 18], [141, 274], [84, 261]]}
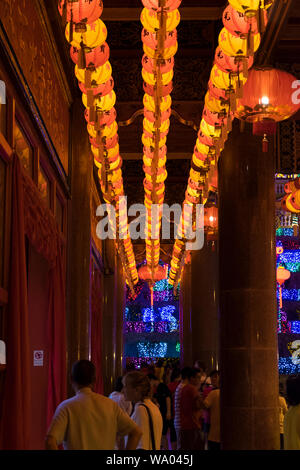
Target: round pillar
{"points": [[248, 339], [204, 305]]}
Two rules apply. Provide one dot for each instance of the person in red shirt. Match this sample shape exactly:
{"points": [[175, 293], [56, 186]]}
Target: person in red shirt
{"points": [[188, 406]]}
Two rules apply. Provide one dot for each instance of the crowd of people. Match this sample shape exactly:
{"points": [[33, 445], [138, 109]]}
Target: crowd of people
{"points": [[157, 407]]}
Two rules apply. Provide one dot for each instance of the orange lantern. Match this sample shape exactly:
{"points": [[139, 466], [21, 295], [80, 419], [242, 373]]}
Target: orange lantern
{"points": [[267, 99], [282, 275]]}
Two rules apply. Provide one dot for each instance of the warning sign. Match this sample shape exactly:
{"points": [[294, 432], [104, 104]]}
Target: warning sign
{"points": [[38, 358]]}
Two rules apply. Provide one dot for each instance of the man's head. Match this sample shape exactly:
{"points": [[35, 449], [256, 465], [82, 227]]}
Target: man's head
{"points": [[136, 386], [83, 374], [195, 377], [215, 378]]}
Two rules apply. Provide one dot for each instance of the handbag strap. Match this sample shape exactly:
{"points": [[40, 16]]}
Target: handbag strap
{"points": [[151, 425]]}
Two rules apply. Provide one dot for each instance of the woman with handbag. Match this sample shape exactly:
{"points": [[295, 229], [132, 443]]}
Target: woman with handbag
{"points": [[137, 389]]}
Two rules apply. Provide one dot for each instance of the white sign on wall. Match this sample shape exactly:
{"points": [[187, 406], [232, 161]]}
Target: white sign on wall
{"points": [[38, 358]]}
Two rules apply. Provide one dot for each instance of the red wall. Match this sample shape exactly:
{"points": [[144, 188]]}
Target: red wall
{"points": [[37, 310]]}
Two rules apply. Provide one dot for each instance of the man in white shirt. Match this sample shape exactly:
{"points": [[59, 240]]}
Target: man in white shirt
{"points": [[89, 421]]}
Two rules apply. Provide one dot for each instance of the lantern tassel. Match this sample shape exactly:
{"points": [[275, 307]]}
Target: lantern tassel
{"points": [[90, 98], [280, 297], [81, 56], [265, 144]]}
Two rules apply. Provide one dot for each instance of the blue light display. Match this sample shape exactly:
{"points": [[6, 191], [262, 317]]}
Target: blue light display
{"points": [[295, 327], [285, 232], [152, 349], [287, 367], [290, 294], [152, 332]]}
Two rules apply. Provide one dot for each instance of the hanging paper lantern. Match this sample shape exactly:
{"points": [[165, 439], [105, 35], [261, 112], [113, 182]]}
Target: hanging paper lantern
{"points": [[232, 64], [100, 89], [250, 7], [151, 20], [165, 54], [238, 24], [169, 5], [235, 46], [104, 103], [150, 115], [95, 35], [268, 94], [150, 39], [81, 11], [267, 99], [94, 57], [164, 66], [98, 76], [104, 118]]}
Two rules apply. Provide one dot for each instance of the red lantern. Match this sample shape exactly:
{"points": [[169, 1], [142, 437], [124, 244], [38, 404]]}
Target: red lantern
{"points": [[239, 24], [101, 90], [150, 39], [164, 89], [169, 5], [94, 57], [232, 64], [269, 97], [165, 65], [211, 217], [104, 118], [81, 11]]}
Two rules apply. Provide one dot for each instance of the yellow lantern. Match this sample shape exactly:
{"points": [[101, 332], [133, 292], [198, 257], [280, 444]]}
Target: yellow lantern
{"points": [[102, 103], [95, 35], [152, 79], [165, 54], [225, 80], [149, 102], [250, 7], [216, 105], [149, 126], [106, 131], [99, 75], [151, 20], [148, 142]]}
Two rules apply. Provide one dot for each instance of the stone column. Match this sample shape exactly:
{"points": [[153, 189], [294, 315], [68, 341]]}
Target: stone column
{"points": [[248, 352], [204, 305]]}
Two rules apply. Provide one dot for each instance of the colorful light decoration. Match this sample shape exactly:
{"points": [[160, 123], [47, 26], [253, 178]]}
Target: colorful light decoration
{"points": [[243, 21], [291, 202], [152, 349], [282, 275], [87, 34], [159, 36]]}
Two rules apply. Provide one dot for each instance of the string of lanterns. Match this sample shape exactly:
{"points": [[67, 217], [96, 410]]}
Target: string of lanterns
{"points": [[87, 34], [239, 39], [159, 36]]}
